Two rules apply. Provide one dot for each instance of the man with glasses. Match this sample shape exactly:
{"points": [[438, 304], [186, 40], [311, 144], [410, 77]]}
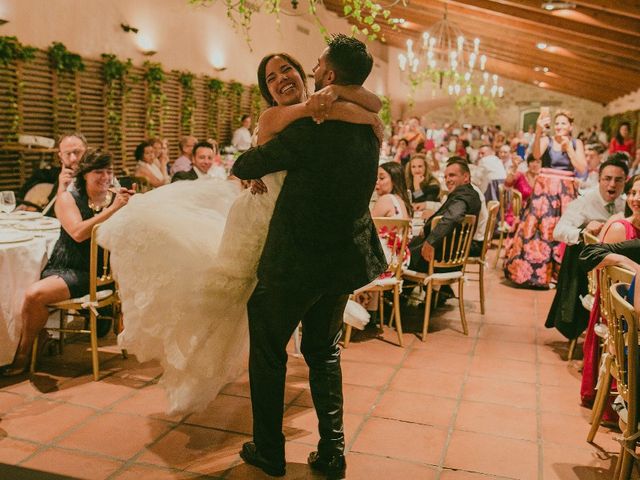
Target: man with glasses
{"points": [[71, 148], [590, 211]]}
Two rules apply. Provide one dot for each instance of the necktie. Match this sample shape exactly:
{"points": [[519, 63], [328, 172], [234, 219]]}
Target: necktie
{"points": [[611, 208]]}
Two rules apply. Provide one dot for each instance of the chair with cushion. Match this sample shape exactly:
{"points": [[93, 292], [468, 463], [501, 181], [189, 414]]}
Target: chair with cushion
{"points": [[493, 207], [397, 234], [509, 197], [608, 277], [453, 260], [102, 293], [623, 332]]}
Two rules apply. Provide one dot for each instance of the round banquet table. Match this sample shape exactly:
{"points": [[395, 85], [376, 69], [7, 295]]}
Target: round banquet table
{"points": [[20, 266]]}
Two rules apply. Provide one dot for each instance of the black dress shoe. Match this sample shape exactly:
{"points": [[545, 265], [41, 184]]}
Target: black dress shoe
{"points": [[250, 455], [334, 467]]}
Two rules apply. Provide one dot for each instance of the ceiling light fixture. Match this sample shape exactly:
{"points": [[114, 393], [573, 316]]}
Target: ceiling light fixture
{"points": [[149, 53], [552, 5], [541, 45]]}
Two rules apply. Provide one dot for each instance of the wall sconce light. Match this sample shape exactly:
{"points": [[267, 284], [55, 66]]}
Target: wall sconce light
{"points": [[149, 53], [3, 21], [219, 69], [128, 28]]}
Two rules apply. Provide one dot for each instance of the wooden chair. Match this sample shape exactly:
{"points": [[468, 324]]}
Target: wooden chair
{"points": [[455, 251], [508, 197], [481, 261], [87, 306], [401, 228], [623, 332], [143, 184], [609, 276], [592, 286]]}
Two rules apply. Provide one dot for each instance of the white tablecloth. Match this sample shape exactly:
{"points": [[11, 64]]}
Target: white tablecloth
{"points": [[20, 266]]}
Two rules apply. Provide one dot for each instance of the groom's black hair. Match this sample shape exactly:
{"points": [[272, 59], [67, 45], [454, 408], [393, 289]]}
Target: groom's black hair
{"points": [[349, 58]]}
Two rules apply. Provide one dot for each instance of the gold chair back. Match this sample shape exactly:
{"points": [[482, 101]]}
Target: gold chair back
{"points": [[400, 228], [509, 197], [455, 246], [493, 207], [610, 276], [143, 184], [592, 276]]}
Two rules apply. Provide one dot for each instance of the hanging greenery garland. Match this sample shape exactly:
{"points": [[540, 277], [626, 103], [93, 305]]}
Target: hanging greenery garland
{"points": [[114, 74], [65, 63], [256, 102], [234, 93], [214, 90], [385, 114], [156, 99], [188, 102], [11, 52], [366, 16]]}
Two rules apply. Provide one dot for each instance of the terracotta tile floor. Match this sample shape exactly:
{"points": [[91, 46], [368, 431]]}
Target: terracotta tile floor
{"points": [[502, 403]]}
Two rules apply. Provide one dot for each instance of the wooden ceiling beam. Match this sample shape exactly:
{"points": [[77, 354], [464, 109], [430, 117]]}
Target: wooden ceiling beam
{"points": [[586, 15], [625, 8], [542, 21]]}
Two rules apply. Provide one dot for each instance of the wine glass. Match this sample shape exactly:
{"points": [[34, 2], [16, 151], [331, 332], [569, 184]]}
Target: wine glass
{"points": [[7, 201]]}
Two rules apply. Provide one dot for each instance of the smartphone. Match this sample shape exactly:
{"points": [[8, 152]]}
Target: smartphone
{"points": [[126, 182]]}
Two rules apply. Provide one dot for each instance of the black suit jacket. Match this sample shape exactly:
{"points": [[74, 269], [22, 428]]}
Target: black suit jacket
{"points": [[464, 200], [188, 175], [41, 175], [592, 255], [321, 234]]}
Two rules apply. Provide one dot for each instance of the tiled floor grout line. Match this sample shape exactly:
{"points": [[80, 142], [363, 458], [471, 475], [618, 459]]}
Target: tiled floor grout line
{"points": [[538, 400], [454, 416]]}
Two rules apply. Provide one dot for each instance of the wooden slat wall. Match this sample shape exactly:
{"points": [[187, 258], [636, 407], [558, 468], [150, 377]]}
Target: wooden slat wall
{"points": [[52, 103]]}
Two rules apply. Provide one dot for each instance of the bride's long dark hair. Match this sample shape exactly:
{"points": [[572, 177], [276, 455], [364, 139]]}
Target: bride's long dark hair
{"points": [[262, 77]]}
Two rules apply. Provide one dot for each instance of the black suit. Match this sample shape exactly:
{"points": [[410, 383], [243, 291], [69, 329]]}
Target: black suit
{"points": [[592, 255], [321, 246], [188, 175], [464, 200], [42, 175]]}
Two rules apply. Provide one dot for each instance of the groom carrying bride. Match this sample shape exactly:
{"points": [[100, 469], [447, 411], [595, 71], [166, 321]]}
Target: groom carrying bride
{"points": [[321, 246]]}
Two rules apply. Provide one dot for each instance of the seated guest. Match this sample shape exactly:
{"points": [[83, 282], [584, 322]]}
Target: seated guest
{"points": [[494, 169], [161, 150], [591, 210], [586, 213], [203, 153], [623, 141], [614, 232], [462, 200], [424, 187], [242, 136], [66, 275], [183, 162], [403, 152], [71, 147], [149, 167], [523, 181]]}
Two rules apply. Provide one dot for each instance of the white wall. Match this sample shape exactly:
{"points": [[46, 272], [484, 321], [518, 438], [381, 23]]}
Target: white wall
{"points": [[186, 37], [624, 104]]}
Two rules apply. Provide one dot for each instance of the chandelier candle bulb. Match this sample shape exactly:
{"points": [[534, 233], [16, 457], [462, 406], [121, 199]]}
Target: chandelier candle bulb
{"points": [[483, 61], [495, 79], [485, 77], [456, 88], [468, 89], [482, 89], [501, 91]]}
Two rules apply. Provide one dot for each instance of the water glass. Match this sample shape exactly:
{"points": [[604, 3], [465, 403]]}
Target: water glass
{"points": [[7, 201]]}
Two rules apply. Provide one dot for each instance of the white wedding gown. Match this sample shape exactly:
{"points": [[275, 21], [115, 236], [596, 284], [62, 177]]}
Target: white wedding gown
{"points": [[185, 256]]}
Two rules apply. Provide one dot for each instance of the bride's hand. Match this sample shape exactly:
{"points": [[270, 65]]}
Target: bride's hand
{"points": [[319, 103], [258, 187]]}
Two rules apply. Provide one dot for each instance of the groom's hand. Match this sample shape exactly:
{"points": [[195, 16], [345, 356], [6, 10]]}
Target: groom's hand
{"points": [[319, 103], [258, 187]]}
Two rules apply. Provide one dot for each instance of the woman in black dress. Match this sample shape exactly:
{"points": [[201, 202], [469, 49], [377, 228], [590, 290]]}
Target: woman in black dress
{"points": [[66, 275]]}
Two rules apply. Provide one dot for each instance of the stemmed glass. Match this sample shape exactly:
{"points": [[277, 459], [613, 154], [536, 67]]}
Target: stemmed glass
{"points": [[7, 201]]}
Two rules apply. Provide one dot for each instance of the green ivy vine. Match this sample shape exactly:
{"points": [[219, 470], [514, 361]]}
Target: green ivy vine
{"points": [[234, 93], [385, 112], [256, 102], [11, 52], [156, 100], [215, 88], [114, 75], [366, 16], [65, 64], [188, 102]]}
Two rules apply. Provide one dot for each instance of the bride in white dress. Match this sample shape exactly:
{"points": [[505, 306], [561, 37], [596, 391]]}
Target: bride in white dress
{"points": [[186, 255]]}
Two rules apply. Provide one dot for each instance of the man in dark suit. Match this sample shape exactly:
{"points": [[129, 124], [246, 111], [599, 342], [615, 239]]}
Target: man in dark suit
{"points": [[321, 246], [462, 200], [203, 154], [71, 147]]}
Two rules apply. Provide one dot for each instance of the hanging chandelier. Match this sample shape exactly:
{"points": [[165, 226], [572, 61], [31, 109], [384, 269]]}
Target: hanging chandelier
{"points": [[447, 61]]}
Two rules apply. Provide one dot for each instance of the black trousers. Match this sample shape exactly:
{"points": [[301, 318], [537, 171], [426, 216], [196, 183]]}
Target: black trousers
{"points": [[274, 313]]}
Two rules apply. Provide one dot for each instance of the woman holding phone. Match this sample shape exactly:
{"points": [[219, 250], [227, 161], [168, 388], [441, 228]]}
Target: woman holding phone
{"points": [[533, 258]]}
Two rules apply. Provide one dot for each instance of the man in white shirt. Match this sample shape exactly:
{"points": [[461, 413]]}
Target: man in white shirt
{"points": [[590, 211], [242, 136], [495, 172]]}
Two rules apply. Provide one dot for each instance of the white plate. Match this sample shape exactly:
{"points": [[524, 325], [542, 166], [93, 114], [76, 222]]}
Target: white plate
{"points": [[20, 215], [44, 223], [14, 237]]}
